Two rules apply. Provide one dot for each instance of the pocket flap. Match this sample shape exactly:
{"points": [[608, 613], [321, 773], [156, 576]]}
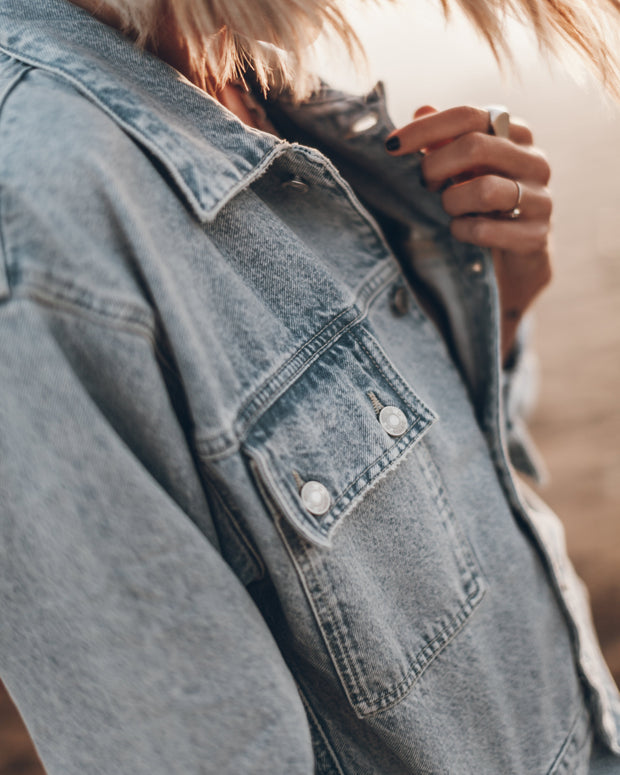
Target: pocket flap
{"points": [[327, 439]]}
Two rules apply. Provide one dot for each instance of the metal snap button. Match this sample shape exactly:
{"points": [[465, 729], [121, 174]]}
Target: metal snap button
{"points": [[393, 420], [363, 124], [476, 267], [399, 301], [296, 184], [315, 498]]}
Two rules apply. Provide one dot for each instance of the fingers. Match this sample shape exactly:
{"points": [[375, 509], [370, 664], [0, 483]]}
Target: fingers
{"points": [[425, 110], [431, 127], [518, 237], [493, 194], [520, 132], [476, 153], [439, 127]]}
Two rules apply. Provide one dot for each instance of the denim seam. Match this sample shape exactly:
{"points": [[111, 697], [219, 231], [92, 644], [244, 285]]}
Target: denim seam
{"points": [[118, 323], [434, 480], [492, 425], [5, 285], [53, 290], [357, 205], [382, 461], [330, 168], [470, 574], [223, 444], [363, 481], [403, 388], [568, 748], [376, 276], [85, 90], [344, 503], [330, 620], [319, 728], [313, 593], [254, 556], [352, 680]]}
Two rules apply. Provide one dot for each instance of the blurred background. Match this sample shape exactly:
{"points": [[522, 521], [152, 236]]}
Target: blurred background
{"points": [[577, 422]]}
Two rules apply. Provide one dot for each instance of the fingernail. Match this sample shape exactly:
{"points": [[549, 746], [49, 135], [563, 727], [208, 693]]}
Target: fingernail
{"points": [[393, 143]]}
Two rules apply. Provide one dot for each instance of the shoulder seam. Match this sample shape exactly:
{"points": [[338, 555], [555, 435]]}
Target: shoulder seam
{"points": [[143, 326], [22, 70], [118, 313], [5, 288]]}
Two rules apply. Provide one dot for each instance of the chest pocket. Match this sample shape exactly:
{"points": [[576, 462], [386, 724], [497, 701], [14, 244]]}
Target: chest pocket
{"points": [[341, 462]]}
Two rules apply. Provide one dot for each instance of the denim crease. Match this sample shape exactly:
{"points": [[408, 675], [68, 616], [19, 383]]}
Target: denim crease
{"points": [[186, 341]]}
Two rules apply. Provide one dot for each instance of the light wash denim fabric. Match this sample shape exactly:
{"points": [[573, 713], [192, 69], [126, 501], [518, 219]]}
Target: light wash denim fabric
{"points": [[196, 320]]}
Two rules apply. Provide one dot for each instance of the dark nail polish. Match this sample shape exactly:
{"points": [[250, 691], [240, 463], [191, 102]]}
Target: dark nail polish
{"points": [[393, 143]]}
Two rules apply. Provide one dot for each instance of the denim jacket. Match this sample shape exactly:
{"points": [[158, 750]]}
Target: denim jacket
{"points": [[257, 513]]}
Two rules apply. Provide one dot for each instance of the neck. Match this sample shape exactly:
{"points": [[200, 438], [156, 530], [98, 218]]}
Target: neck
{"points": [[171, 46]]}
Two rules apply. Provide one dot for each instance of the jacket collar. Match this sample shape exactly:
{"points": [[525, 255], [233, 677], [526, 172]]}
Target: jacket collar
{"points": [[207, 151]]}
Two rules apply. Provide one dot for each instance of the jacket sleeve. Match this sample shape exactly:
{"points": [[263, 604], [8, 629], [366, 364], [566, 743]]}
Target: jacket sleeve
{"points": [[126, 641]]}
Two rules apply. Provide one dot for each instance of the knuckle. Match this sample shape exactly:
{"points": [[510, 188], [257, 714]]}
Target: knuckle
{"points": [[470, 115], [525, 132], [487, 193], [474, 146], [544, 167]]}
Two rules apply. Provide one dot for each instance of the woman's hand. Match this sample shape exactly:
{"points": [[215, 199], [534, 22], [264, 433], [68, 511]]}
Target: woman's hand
{"points": [[476, 172]]}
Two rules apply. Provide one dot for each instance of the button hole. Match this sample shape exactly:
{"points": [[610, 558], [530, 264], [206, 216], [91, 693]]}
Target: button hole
{"points": [[376, 404]]}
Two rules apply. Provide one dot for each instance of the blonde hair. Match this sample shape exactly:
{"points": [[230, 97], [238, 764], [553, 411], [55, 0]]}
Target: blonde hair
{"points": [[269, 38]]}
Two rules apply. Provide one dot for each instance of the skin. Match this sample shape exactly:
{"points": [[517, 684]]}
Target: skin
{"points": [[475, 172]]}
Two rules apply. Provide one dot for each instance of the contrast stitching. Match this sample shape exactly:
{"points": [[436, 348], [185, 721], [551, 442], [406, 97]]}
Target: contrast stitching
{"points": [[376, 404], [313, 595], [350, 675], [397, 390], [273, 387], [375, 277]]}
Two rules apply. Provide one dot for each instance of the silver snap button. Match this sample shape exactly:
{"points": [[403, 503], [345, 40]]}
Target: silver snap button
{"points": [[315, 498], [393, 420], [364, 123], [476, 267], [296, 184]]}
